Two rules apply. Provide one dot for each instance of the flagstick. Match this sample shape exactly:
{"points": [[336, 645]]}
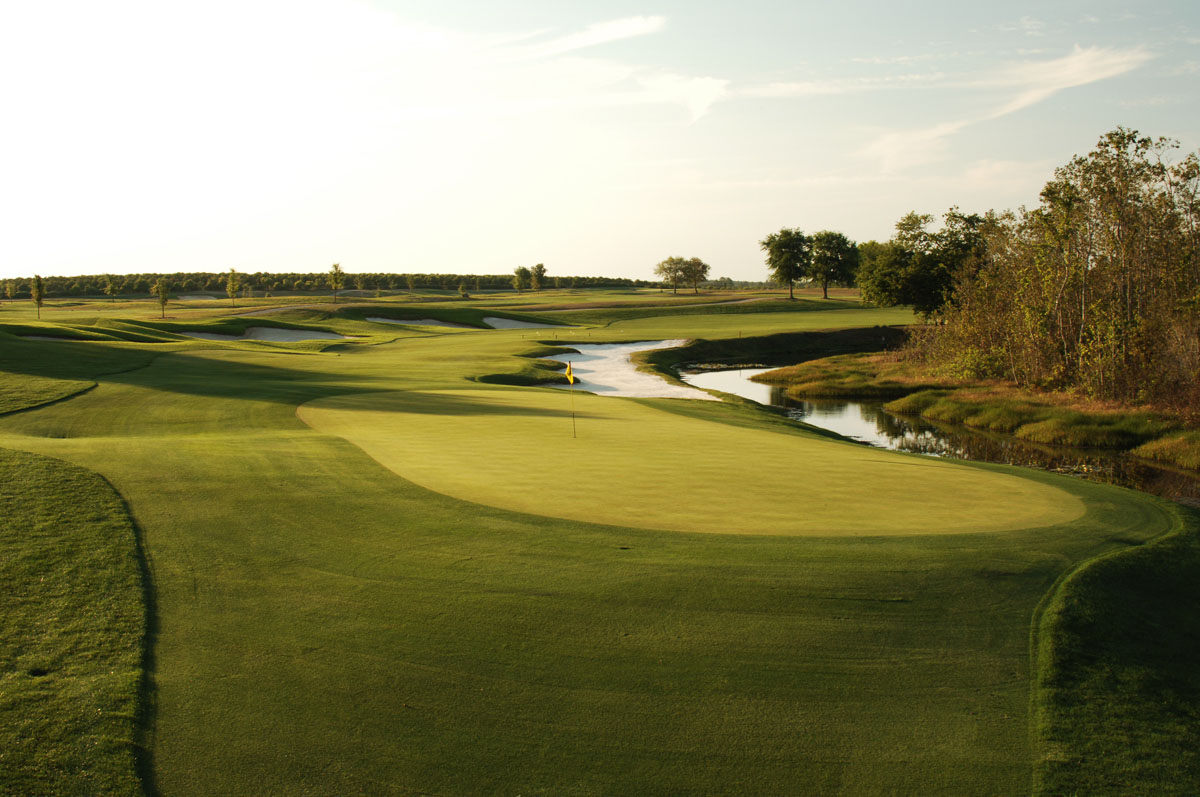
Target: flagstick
{"points": [[571, 391]]}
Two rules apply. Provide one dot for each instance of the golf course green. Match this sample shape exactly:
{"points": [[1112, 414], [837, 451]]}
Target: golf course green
{"points": [[368, 571]]}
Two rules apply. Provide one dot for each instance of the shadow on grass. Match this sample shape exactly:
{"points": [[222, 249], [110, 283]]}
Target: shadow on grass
{"points": [[419, 403], [174, 372], [147, 708]]}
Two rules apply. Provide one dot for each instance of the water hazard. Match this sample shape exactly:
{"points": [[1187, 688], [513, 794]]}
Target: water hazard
{"points": [[868, 422]]}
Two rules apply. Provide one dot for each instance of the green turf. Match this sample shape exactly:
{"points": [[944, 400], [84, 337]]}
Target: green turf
{"points": [[612, 472], [328, 626], [1118, 702], [71, 640]]}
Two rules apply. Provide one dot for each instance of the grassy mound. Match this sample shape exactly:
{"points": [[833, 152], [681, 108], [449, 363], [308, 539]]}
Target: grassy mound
{"points": [[1033, 420], [33, 373], [1182, 449], [1117, 702], [73, 631], [613, 472], [860, 375]]}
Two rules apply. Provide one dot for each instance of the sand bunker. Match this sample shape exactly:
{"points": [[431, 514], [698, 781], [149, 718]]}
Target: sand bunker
{"points": [[508, 323], [272, 334], [605, 369], [419, 322]]}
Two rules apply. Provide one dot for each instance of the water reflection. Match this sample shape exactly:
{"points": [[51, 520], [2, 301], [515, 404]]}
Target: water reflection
{"points": [[868, 422]]}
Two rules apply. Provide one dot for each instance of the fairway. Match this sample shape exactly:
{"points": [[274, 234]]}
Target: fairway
{"points": [[634, 465], [371, 572]]}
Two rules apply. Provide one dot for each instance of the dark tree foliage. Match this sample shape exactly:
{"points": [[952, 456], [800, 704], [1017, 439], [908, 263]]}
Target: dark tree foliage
{"points": [[142, 285], [37, 292], [918, 267], [834, 260], [789, 256]]}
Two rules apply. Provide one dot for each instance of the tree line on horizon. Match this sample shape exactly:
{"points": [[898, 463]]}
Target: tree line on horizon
{"points": [[144, 284]]}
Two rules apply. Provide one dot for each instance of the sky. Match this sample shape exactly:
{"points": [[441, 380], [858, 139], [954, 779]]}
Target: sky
{"points": [[597, 138]]}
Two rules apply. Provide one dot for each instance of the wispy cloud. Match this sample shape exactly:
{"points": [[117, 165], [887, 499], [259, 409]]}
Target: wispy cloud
{"points": [[1026, 84], [1185, 69], [836, 86], [593, 35], [1042, 79], [895, 59], [1032, 27], [902, 148]]}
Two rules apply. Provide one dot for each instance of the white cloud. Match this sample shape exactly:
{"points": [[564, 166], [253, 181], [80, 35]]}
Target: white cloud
{"points": [[1036, 81], [904, 148], [1026, 84]]}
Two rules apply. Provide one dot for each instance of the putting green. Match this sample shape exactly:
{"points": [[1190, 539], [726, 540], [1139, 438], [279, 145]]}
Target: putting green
{"points": [[634, 465]]}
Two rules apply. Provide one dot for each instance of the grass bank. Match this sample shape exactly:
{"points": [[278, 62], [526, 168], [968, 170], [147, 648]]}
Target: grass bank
{"points": [[72, 641], [1117, 698]]}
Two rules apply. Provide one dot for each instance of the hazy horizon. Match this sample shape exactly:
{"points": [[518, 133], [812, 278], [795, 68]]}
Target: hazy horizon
{"points": [[597, 139]]}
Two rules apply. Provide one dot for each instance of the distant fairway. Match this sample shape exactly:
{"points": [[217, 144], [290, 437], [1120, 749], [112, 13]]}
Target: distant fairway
{"points": [[500, 611], [633, 465], [733, 325]]}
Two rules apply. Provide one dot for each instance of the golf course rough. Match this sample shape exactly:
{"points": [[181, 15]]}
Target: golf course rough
{"points": [[634, 465], [72, 632], [328, 626]]}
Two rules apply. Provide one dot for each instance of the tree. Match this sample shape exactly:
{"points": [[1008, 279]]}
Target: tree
{"points": [[537, 277], [789, 255], [10, 288], [462, 290], [834, 259], [162, 290], [37, 292], [521, 277], [918, 267], [1096, 290], [233, 284], [110, 289], [672, 271], [337, 278], [695, 271]]}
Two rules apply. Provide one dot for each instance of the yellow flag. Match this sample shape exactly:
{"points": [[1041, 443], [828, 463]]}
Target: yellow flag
{"points": [[570, 376]]}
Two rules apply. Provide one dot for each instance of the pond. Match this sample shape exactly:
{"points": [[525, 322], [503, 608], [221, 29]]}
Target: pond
{"points": [[606, 369], [867, 422]]}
